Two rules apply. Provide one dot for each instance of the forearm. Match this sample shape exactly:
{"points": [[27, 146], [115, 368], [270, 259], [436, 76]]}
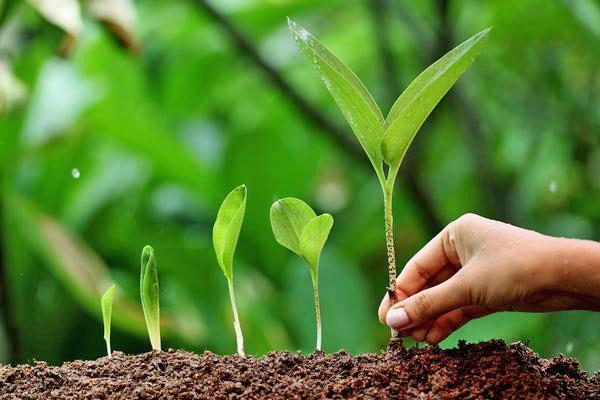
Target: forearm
{"points": [[575, 267]]}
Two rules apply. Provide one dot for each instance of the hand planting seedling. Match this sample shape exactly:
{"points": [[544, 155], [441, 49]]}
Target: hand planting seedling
{"points": [[386, 140], [297, 227], [106, 303], [226, 232], [149, 296]]}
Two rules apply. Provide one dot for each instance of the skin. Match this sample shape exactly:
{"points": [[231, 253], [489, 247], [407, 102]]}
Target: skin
{"points": [[477, 266]]}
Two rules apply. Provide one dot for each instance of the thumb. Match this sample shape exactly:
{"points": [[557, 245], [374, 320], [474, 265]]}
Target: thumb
{"points": [[427, 305]]}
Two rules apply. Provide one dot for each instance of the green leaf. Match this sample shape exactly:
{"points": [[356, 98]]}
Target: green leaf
{"points": [[313, 238], [226, 230], [106, 303], [351, 96], [289, 216], [418, 100], [149, 295]]}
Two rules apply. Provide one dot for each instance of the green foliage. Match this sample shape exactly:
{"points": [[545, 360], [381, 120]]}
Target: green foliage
{"points": [[297, 227], [351, 96], [149, 296], [226, 232], [106, 303], [420, 98]]}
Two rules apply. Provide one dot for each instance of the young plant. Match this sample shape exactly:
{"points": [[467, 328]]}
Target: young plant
{"points": [[149, 296], [106, 303], [226, 232], [297, 227], [386, 140]]}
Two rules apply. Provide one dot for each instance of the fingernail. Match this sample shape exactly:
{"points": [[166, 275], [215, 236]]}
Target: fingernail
{"points": [[397, 318]]}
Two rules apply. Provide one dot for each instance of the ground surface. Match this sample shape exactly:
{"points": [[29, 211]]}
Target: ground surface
{"points": [[485, 370]]}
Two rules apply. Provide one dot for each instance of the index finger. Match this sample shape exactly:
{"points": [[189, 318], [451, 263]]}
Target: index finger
{"points": [[437, 259]]}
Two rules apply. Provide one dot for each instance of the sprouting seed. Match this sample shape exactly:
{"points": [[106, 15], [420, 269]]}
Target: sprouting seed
{"points": [[386, 140], [297, 227], [106, 303], [149, 296], [226, 232]]}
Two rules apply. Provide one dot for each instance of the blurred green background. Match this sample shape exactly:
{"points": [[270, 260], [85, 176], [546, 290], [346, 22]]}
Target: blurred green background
{"points": [[125, 124]]}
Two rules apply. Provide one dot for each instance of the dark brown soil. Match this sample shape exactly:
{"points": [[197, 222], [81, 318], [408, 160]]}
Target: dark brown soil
{"points": [[485, 370]]}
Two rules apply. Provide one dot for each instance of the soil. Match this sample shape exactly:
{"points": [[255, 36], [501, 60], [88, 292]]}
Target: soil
{"points": [[485, 370]]}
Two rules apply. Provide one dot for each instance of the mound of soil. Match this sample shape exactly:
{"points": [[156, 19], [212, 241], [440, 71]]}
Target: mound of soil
{"points": [[484, 370]]}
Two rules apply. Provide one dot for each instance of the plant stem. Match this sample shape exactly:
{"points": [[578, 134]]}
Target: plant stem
{"points": [[236, 320], [388, 191], [108, 349], [317, 313]]}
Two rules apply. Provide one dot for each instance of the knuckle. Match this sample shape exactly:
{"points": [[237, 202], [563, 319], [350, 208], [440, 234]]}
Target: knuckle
{"points": [[421, 271], [423, 304]]}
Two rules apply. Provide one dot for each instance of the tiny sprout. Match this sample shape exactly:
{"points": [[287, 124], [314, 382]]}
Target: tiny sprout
{"points": [[226, 232], [106, 303], [149, 296], [297, 227]]}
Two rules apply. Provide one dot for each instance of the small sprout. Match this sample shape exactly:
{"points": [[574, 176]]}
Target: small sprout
{"points": [[149, 296], [297, 227], [226, 232], [106, 303]]}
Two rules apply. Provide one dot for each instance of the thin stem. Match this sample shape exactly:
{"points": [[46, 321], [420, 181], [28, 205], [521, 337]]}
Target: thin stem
{"points": [[317, 313], [236, 320], [388, 191], [108, 349]]}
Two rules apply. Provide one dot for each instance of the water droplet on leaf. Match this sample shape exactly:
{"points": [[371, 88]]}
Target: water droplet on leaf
{"points": [[75, 173]]}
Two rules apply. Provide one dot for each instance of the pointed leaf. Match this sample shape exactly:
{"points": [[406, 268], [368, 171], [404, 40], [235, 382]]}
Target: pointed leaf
{"points": [[314, 236], [106, 303], [149, 295], [351, 96], [226, 230], [422, 95], [289, 216]]}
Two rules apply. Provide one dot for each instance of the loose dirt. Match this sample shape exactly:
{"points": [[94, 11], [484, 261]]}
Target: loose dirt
{"points": [[491, 370]]}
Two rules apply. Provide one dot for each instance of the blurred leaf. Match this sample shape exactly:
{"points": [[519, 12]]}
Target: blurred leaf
{"points": [[120, 17], [418, 100], [289, 216], [13, 92], [351, 96], [226, 230], [587, 12], [58, 99], [313, 238], [106, 303], [66, 14], [150, 296], [83, 273]]}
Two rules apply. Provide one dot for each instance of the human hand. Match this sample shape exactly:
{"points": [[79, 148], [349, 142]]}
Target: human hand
{"points": [[477, 266]]}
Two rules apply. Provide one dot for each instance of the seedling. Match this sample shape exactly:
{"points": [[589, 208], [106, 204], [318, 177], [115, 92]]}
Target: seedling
{"points": [[386, 140], [297, 227], [149, 296], [106, 303], [226, 232]]}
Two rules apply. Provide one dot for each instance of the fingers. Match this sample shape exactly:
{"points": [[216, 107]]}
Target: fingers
{"points": [[437, 255], [427, 305], [445, 325]]}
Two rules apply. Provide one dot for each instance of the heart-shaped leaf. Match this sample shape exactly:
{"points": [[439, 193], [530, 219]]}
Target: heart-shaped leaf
{"points": [[289, 216], [418, 100], [351, 96], [313, 238], [226, 230]]}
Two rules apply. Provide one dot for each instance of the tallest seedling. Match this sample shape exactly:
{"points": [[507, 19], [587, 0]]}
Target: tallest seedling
{"points": [[386, 140]]}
